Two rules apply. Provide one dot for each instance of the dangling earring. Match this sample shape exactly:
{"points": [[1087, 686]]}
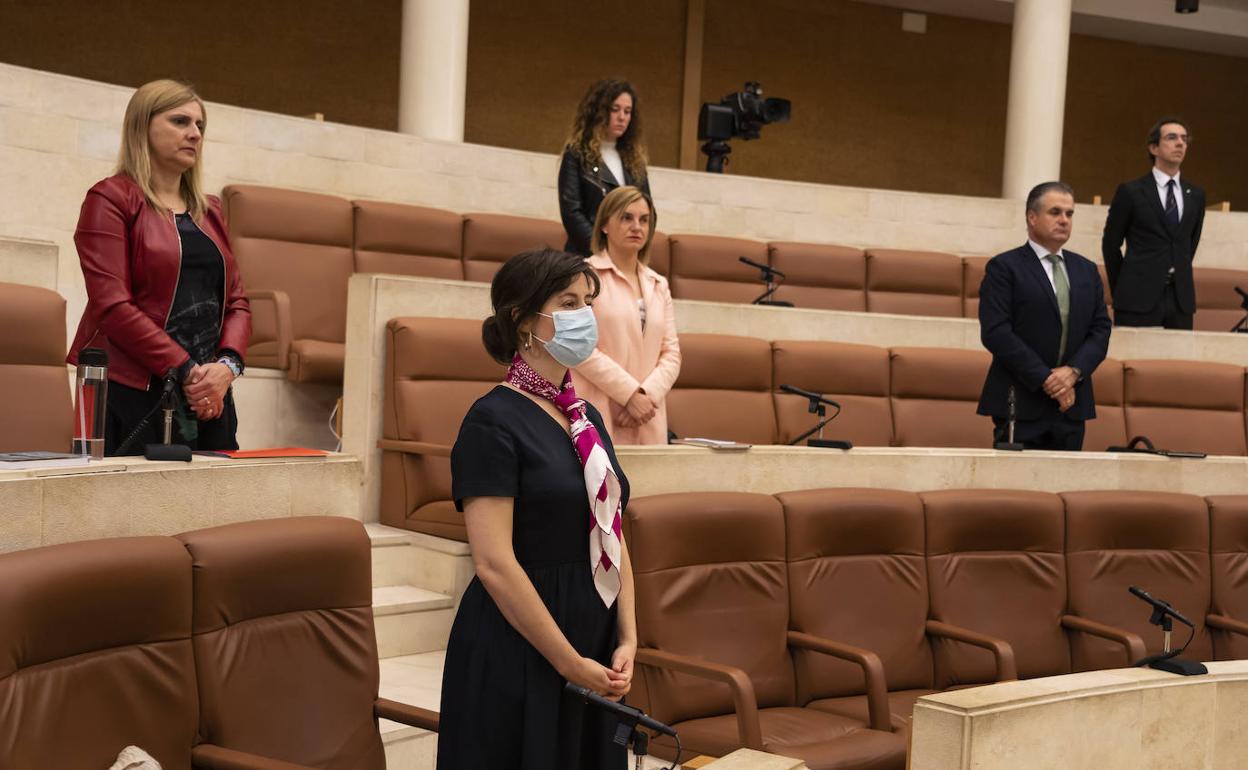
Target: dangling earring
{"points": [[528, 344]]}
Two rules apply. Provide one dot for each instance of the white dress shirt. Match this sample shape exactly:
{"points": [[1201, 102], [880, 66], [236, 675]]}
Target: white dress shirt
{"points": [[611, 157], [1042, 252], [1162, 181]]}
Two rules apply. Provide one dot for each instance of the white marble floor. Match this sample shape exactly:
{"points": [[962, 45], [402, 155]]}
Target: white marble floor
{"points": [[417, 680]]}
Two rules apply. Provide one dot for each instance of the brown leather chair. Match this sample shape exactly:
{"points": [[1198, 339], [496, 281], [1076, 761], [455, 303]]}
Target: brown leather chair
{"points": [[1218, 306], [492, 239], [914, 283], [294, 253], [1158, 541], [996, 565], [856, 576], [723, 390], [435, 369], [1228, 613], [972, 277], [284, 646], [1109, 428], [715, 651], [408, 240], [707, 267], [934, 394], [855, 376], [95, 654], [660, 259], [35, 406], [1186, 405], [821, 276]]}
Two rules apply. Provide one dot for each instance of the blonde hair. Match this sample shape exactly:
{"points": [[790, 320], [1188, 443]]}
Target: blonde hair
{"points": [[613, 205], [135, 159]]}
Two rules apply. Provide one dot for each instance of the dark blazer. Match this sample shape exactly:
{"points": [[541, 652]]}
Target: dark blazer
{"points": [[1020, 325], [581, 190], [1153, 246]]}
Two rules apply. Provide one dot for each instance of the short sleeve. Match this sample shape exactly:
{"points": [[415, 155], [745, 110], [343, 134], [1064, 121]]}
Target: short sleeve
{"points": [[483, 461]]}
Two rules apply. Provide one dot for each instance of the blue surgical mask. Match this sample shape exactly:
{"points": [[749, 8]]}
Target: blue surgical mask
{"points": [[576, 336]]}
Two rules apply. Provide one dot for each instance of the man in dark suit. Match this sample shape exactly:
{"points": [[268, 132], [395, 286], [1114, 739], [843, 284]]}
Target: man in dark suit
{"points": [[1160, 216], [1042, 316]]}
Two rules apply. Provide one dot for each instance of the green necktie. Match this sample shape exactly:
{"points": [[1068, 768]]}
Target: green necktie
{"points": [[1061, 287]]}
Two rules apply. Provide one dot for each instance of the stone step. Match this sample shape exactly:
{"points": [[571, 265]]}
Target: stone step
{"points": [[436, 564], [411, 620], [408, 748]]}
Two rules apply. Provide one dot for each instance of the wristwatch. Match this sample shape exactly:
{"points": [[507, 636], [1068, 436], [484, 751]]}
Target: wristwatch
{"points": [[229, 361]]}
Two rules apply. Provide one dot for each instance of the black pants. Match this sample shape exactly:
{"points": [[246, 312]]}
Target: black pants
{"points": [[1057, 433], [128, 406], [1167, 313]]}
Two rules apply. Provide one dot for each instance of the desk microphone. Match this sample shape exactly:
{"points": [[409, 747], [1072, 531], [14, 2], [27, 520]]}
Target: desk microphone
{"points": [[808, 394], [1238, 291], [625, 713], [761, 266], [1159, 605]]}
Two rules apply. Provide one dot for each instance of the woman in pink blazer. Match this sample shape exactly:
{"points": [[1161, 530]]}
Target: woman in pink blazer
{"points": [[638, 356]]}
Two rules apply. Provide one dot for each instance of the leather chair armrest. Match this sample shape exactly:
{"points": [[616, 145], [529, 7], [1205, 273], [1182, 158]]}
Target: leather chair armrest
{"points": [[206, 756], [1225, 623], [408, 715], [1007, 669], [872, 670], [270, 322], [745, 703], [414, 447], [1132, 644]]}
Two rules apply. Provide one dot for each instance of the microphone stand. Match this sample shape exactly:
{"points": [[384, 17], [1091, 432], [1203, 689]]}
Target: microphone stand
{"points": [[768, 275], [1242, 325], [1167, 660], [818, 406], [1009, 443], [167, 405]]}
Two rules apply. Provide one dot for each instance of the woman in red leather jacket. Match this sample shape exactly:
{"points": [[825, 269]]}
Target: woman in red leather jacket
{"points": [[164, 297]]}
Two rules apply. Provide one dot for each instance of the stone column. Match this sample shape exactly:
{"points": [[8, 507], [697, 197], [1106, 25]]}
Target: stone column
{"points": [[433, 68], [1037, 100]]}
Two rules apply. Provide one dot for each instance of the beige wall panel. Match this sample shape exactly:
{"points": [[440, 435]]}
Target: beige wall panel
{"points": [[530, 63], [287, 56]]}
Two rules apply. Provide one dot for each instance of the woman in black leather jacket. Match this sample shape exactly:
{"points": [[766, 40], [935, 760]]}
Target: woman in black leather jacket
{"points": [[605, 145]]}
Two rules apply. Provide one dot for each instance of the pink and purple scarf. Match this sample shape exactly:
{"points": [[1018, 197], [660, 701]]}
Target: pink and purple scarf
{"points": [[601, 484]]}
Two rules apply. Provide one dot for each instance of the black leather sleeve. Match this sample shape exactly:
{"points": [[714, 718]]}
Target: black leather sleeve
{"points": [[571, 204]]}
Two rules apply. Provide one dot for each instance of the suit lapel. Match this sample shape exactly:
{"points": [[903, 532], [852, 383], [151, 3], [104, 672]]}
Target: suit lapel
{"points": [[1187, 204], [1148, 185], [1039, 277]]}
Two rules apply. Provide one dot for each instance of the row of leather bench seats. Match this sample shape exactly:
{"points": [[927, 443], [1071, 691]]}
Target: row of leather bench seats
{"points": [[248, 646], [727, 389], [297, 250], [808, 623]]}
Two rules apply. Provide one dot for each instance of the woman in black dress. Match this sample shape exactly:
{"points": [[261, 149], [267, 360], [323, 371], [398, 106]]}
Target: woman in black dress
{"points": [[544, 608]]}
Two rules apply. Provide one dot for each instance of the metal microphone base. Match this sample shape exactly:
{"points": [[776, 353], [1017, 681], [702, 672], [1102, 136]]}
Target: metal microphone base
{"points": [[773, 302], [1008, 446], [1180, 667], [829, 443]]}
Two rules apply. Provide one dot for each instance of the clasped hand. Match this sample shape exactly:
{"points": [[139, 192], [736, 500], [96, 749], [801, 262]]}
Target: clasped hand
{"points": [[205, 387], [1060, 386], [639, 410], [612, 683]]}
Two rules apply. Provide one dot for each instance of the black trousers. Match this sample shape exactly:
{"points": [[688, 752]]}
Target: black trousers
{"points": [[1166, 314], [128, 407], [1056, 433]]}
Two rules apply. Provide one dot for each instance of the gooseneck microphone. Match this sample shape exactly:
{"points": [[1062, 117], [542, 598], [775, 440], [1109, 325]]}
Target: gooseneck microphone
{"points": [[809, 394], [1160, 605], [632, 716], [761, 266]]}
